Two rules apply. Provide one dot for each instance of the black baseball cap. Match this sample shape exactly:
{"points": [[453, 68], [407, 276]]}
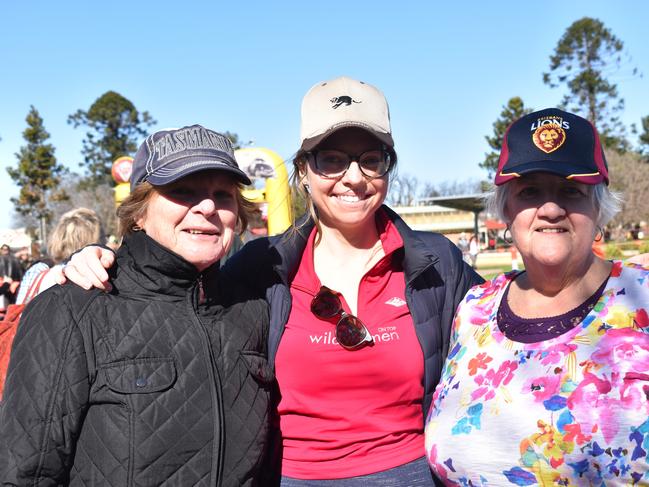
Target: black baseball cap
{"points": [[171, 154], [554, 141]]}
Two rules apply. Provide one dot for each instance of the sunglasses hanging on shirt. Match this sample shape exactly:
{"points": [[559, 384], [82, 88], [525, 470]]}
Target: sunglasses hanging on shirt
{"points": [[351, 333]]}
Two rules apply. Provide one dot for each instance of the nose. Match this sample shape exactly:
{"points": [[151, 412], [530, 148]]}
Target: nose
{"points": [[353, 175], [551, 209], [206, 206]]}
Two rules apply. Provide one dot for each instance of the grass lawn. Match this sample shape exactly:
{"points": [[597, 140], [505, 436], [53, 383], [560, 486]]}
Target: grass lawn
{"points": [[492, 272]]}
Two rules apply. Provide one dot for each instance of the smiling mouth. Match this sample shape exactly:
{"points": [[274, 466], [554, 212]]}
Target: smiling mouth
{"points": [[200, 232], [349, 198], [551, 230]]}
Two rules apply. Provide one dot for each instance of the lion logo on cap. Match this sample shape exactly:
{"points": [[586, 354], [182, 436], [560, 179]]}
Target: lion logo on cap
{"points": [[549, 137]]}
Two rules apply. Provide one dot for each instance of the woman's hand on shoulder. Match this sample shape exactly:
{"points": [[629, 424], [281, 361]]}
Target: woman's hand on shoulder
{"points": [[87, 268]]}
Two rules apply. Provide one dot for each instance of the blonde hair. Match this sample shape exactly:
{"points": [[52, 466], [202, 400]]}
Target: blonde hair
{"points": [[75, 229], [134, 208]]}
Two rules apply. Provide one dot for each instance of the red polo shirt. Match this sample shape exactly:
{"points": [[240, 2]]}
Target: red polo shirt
{"points": [[349, 413]]}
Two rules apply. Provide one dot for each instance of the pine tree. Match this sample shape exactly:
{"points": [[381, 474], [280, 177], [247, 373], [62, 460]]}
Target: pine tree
{"points": [[115, 129], [644, 137], [514, 110], [583, 61], [37, 174]]}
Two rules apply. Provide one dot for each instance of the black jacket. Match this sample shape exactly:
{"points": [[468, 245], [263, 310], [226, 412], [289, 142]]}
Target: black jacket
{"points": [[142, 386], [436, 280], [10, 266]]}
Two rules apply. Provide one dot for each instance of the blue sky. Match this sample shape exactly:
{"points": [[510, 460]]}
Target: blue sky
{"points": [[447, 68]]}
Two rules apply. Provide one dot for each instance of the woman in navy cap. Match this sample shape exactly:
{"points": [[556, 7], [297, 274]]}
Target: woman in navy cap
{"points": [[165, 379], [547, 379]]}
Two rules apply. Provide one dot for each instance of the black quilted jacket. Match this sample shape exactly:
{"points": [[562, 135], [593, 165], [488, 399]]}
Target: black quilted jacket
{"points": [[139, 387]]}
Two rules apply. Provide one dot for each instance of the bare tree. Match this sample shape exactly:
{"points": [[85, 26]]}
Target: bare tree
{"points": [[403, 190], [629, 175], [452, 188], [100, 199]]}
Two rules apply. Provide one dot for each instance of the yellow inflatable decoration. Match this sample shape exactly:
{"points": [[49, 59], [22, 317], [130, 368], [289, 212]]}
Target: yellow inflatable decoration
{"points": [[122, 190], [260, 163]]}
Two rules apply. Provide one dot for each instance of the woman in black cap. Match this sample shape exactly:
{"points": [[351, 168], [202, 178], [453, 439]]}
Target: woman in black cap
{"points": [[547, 379], [165, 379]]}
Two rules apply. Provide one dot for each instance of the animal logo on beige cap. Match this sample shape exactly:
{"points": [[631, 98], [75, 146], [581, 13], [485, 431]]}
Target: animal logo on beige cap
{"points": [[343, 102]]}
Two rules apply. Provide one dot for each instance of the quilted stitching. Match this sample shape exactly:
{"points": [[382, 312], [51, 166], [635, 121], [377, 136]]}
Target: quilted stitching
{"points": [[133, 404]]}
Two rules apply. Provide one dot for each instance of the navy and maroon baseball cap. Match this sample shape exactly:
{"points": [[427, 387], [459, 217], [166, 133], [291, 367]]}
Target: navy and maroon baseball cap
{"points": [[553, 141]]}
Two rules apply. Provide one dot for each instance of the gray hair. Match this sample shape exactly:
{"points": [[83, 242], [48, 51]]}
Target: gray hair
{"points": [[608, 203]]}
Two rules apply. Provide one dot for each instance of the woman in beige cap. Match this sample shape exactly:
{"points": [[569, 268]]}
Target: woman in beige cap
{"points": [[361, 305]]}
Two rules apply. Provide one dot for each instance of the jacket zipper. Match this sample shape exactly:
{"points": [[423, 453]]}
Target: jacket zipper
{"points": [[217, 400]]}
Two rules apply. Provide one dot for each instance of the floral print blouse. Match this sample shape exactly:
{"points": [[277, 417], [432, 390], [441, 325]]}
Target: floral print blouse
{"points": [[572, 410]]}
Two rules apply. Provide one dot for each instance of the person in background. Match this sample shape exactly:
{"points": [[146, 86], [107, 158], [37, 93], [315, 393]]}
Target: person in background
{"points": [[9, 264], [361, 305], [546, 382], [11, 273], [165, 379], [112, 242], [24, 257], [463, 245], [474, 250], [75, 229]]}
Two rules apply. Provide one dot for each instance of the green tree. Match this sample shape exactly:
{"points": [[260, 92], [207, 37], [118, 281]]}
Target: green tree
{"points": [[644, 137], [583, 61], [514, 110], [234, 139], [37, 174], [115, 128]]}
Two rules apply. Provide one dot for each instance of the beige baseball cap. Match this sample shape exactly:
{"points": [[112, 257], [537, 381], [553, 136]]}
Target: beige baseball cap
{"points": [[343, 102]]}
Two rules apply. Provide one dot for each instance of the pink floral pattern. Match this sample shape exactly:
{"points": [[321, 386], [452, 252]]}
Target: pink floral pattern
{"points": [[573, 410]]}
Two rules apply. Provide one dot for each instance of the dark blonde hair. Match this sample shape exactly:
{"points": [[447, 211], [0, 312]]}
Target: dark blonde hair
{"points": [[300, 162], [75, 229], [134, 208]]}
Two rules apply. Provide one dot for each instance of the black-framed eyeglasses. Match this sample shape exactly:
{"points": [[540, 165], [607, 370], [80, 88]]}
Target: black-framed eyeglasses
{"points": [[351, 333], [331, 163]]}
